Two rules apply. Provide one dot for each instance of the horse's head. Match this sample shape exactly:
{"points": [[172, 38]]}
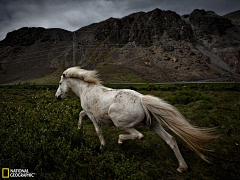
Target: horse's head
{"points": [[63, 88]]}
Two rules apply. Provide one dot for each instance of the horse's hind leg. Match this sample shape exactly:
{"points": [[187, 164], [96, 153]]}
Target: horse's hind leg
{"points": [[133, 134], [157, 128], [81, 115]]}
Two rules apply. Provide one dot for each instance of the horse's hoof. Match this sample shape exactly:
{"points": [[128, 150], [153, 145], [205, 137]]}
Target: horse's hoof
{"points": [[120, 144], [182, 169], [102, 148]]}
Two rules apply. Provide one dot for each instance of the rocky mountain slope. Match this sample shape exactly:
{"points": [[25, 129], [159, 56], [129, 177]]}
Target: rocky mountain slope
{"points": [[234, 16], [157, 46]]}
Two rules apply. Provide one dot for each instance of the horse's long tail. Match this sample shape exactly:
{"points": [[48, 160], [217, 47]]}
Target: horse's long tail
{"points": [[169, 116]]}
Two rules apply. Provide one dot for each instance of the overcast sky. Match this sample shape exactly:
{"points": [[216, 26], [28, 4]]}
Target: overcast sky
{"points": [[74, 14]]}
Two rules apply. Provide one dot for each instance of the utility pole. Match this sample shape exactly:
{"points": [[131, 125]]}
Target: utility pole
{"points": [[74, 48], [81, 52]]}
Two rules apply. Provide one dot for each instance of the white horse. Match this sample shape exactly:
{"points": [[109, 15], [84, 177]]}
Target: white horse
{"points": [[127, 108]]}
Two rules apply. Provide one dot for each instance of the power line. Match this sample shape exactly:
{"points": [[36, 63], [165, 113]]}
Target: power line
{"points": [[36, 52], [33, 58], [83, 46]]}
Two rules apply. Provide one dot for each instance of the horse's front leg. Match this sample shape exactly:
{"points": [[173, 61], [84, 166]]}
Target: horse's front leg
{"points": [[98, 129], [81, 115]]}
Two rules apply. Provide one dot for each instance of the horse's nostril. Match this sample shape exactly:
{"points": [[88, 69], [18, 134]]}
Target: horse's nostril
{"points": [[58, 97]]}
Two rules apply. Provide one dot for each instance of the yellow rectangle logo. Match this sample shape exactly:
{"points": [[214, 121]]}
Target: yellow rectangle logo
{"points": [[5, 172]]}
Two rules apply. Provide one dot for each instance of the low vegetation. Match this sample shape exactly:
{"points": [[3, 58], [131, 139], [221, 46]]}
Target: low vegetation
{"points": [[40, 133], [115, 73]]}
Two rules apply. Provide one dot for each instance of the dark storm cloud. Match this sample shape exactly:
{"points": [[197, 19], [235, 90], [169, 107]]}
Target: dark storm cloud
{"points": [[73, 14], [69, 15]]}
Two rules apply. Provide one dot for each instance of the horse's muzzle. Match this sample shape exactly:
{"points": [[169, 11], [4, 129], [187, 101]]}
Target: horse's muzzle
{"points": [[58, 97]]}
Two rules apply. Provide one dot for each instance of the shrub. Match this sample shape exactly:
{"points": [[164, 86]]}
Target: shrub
{"points": [[186, 96]]}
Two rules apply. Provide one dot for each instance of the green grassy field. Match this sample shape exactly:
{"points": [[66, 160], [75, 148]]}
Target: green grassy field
{"points": [[40, 134]]}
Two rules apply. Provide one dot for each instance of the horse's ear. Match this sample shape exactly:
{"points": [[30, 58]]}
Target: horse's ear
{"points": [[64, 75]]}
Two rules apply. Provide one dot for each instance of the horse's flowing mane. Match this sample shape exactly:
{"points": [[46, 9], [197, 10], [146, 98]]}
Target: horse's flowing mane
{"points": [[82, 74]]}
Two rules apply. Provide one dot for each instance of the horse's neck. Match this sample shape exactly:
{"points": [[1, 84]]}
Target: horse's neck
{"points": [[78, 87]]}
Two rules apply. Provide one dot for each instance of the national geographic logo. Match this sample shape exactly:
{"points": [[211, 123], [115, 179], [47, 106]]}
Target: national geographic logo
{"points": [[7, 173]]}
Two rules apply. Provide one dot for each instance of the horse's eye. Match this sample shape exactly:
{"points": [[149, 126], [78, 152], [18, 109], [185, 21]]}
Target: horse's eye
{"points": [[60, 83]]}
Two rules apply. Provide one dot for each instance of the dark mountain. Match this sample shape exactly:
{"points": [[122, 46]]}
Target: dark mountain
{"points": [[208, 23], [158, 46], [234, 16], [30, 53], [141, 27], [28, 36]]}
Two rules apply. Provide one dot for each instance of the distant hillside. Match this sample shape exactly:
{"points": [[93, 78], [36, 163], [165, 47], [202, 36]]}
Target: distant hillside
{"points": [[235, 16], [156, 46], [30, 53]]}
